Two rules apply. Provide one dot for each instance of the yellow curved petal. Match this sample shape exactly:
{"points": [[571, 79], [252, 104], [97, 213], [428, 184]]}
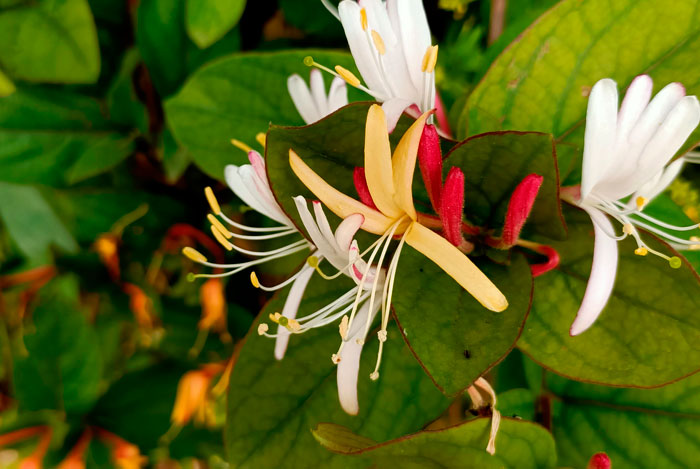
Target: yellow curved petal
{"points": [[378, 168], [404, 165], [336, 201], [457, 265]]}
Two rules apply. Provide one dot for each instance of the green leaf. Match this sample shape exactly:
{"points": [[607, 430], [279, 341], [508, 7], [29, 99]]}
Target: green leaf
{"points": [[31, 222], [316, 21], [340, 439], [56, 138], [494, 164], [454, 337], [6, 85], [63, 366], [273, 404], [237, 97], [647, 335], [53, 41], [541, 82], [207, 21], [635, 427], [125, 107], [519, 444]]}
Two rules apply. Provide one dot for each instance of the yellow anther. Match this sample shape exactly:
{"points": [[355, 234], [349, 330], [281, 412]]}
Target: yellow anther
{"points": [[262, 328], [343, 327], [193, 255], [641, 251], [293, 325], [696, 246], [335, 358], [641, 201], [628, 228], [374, 376], [382, 336], [221, 238], [213, 203], [260, 138], [363, 19], [275, 317], [430, 59], [222, 229], [312, 261], [240, 145], [254, 280], [378, 42], [348, 76]]}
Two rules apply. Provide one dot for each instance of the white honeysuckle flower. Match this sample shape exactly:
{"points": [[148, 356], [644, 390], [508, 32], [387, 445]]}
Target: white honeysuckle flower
{"points": [[311, 101], [391, 45], [249, 182], [627, 154], [341, 251]]}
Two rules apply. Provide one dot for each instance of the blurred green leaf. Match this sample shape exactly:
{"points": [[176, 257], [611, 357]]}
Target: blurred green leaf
{"points": [[63, 366], [124, 106], [541, 82], [224, 100], [31, 222], [273, 404], [52, 41], [207, 21], [647, 335], [519, 444], [6, 85], [635, 427], [454, 337], [312, 19]]}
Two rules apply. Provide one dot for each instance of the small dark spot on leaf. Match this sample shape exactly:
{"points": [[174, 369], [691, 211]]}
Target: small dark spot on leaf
{"points": [[421, 269], [467, 353], [474, 412]]}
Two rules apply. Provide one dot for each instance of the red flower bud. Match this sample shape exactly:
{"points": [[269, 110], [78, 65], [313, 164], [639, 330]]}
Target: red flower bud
{"points": [[552, 260], [452, 206], [358, 177], [599, 461], [519, 208], [430, 162]]}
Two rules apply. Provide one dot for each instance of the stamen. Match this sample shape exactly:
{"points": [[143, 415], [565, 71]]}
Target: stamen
{"points": [[193, 255], [343, 327], [241, 146], [675, 262], [262, 328], [348, 76], [312, 261], [430, 59], [628, 228], [221, 238], [254, 279], [641, 251], [261, 138], [363, 19], [641, 202], [335, 358], [378, 42], [374, 376], [256, 283], [275, 317], [222, 229], [213, 203]]}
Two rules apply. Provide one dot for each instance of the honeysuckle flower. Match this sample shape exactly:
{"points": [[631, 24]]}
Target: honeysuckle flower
{"points": [[124, 455], [389, 181], [478, 402], [36, 458], [75, 459], [341, 251], [192, 395], [311, 101], [391, 45], [627, 154]]}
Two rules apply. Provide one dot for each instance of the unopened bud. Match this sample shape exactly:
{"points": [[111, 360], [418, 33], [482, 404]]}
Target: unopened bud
{"points": [[519, 207]]}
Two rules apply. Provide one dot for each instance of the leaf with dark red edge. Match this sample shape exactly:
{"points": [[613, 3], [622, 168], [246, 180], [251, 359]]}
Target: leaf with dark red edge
{"points": [[454, 337], [519, 444], [647, 335]]}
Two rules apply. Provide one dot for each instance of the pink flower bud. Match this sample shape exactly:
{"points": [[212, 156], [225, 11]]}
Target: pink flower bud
{"points": [[360, 181], [519, 207], [430, 162], [452, 206], [599, 461]]}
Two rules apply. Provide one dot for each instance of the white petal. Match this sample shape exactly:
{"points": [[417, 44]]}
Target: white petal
{"points": [[360, 47], [337, 95], [601, 121], [242, 183], [349, 365], [326, 249], [655, 113], [318, 91], [261, 190], [303, 101], [635, 101], [290, 309], [603, 271], [345, 232], [393, 109], [656, 186], [410, 23]]}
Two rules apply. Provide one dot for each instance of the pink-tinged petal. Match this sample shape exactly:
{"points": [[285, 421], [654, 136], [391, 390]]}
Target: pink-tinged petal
{"points": [[441, 116], [393, 108], [635, 101], [430, 163], [360, 181], [601, 121], [303, 101], [337, 95], [403, 164], [349, 366], [258, 164], [318, 92], [452, 206], [244, 183], [603, 271], [378, 169], [336, 201], [347, 229], [409, 21], [360, 48], [325, 248], [551, 263], [262, 191], [519, 207], [290, 308]]}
